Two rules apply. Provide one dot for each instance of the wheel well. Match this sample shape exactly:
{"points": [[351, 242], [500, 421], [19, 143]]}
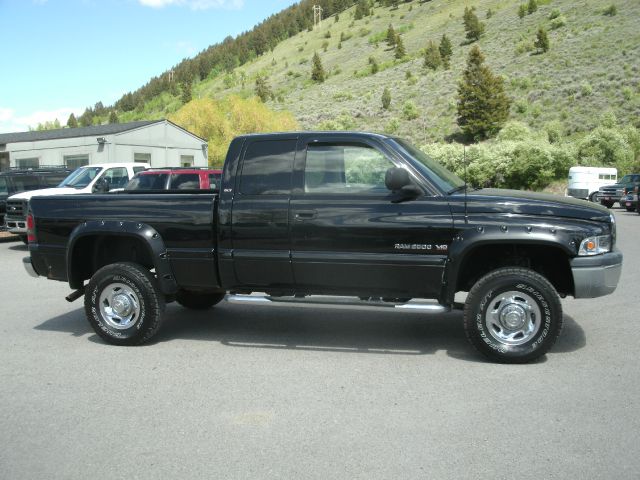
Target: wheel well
{"points": [[550, 262], [92, 252]]}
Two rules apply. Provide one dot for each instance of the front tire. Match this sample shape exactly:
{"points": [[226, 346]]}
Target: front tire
{"points": [[123, 304], [593, 197], [198, 300], [513, 315]]}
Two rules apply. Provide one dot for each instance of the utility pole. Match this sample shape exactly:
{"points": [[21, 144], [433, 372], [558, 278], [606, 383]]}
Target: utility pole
{"points": [[317, 15]]}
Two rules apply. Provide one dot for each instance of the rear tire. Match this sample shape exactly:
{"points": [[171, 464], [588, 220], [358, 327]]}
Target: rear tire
{"points": [[123, 304], [24, 239], [198, 300], [513, 315]]}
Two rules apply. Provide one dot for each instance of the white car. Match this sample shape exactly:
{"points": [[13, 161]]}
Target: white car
{"points": [[97, 178]]}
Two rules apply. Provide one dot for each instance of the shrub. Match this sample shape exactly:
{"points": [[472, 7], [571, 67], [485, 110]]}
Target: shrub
{"points": [[409, 110], [514, 130], [393, 126], [522, 10], [586, 89], [606, 146], [555, 13], [558, 22], [610, 11]]}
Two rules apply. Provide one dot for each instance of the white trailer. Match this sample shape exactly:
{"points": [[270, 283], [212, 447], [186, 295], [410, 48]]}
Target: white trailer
{"points": [[584, 182]]}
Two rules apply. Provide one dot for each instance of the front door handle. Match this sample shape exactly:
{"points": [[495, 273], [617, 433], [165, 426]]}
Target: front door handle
{"points": [[302, 215]]}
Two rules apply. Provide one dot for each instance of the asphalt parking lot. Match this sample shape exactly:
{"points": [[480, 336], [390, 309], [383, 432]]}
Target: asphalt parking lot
{"points": [[253, 392]]}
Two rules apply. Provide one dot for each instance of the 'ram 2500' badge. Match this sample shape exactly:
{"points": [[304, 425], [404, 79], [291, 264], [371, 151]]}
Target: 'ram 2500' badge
{"points": [[421, 246]]}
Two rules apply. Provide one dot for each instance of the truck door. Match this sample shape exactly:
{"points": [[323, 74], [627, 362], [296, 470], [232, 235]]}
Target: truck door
{"points": [[349, 238], [260, 214]]}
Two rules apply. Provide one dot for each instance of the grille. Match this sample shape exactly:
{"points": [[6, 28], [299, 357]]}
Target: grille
{"points": [[578, 192], [16, 208]]}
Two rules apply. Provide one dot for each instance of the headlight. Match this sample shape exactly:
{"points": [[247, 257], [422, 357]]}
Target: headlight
{"points": [[595, 245]]}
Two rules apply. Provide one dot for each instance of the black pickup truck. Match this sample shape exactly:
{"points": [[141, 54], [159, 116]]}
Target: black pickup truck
{"points": [[305, 217]]}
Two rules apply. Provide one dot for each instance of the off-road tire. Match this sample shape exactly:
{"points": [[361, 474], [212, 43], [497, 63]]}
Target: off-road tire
{"points": [[523, 294], [142, 286], [198, 300]]}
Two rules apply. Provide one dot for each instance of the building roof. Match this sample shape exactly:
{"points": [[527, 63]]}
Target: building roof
{"points": [[95, 130]]}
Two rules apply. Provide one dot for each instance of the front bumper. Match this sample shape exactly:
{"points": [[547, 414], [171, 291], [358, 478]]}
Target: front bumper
{"points": [[596, 276], [15, 224]]}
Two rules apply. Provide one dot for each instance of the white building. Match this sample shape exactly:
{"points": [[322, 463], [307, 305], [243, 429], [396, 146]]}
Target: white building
{"points": [[160, 143]]}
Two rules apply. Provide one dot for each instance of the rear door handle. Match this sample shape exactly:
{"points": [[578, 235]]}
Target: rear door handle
{"points": [[305, 214]]}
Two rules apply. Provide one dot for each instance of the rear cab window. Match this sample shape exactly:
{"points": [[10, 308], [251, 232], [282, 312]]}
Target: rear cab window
{"points": [[267, 167]]}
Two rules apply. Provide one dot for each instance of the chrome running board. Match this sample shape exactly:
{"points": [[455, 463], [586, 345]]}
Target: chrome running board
{"points": [[342, 303]]}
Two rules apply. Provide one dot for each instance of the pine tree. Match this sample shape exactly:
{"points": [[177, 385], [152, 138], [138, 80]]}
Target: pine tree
{"points": [[386, 98], [432, 57], [317, 70], [400, 50], [473, 27], [262, 88], [391, 36], [542, 40], [532, 6], [483, 106], [362, 9], [446, 50], [186, 92], [113, 117], [72, 122]]}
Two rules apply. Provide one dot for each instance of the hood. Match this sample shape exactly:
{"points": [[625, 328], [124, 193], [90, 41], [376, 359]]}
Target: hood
{"points": [[494, 200], [46, 191]]}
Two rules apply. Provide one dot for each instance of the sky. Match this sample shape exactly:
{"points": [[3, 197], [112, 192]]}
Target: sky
{"points": [[61, 56]]}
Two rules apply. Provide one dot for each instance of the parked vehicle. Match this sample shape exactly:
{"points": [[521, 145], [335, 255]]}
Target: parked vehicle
{"points": [[615, 193], [585, 182], [22, 180], [333, 213], [175, 179], [97, 178]]}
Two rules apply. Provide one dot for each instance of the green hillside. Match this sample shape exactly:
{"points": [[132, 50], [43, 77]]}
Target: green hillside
{"points": [[592, 66]]}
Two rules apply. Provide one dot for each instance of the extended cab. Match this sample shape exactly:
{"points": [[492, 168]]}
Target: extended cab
{"points": [[97, 178], [357, 215]]}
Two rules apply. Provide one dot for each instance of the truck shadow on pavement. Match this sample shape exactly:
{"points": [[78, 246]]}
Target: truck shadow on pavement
{"points": [[344, 331]]}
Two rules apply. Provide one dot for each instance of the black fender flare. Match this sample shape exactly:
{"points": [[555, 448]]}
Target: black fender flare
{"points": [[140, 231], [467, 241]]}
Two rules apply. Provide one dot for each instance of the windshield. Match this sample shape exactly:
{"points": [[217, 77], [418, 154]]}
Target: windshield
{"points": [[81, 177], [630, 179], [443, 178]]}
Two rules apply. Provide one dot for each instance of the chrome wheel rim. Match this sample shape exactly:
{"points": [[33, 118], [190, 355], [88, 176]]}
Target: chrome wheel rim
{"points": [[119, 306], [513, 318]]}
